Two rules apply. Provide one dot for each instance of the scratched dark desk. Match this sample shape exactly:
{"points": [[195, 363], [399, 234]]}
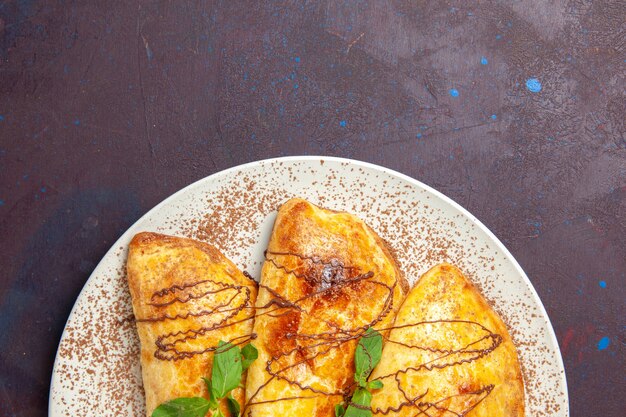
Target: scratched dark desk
{"points": [[515, 111]]}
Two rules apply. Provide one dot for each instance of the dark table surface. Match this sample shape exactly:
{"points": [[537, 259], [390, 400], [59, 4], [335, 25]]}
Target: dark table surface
{"points": [[513, 109]]}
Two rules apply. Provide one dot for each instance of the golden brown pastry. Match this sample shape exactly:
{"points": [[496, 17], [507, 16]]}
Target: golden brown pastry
{"points": [[186, 297], [327, 277], [448, 355]]}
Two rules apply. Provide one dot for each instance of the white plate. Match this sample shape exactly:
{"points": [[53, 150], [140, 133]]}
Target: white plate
{"points": [[97, 365]]}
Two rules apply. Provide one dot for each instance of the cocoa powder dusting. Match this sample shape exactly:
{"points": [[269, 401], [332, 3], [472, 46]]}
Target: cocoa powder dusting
{"points": [[97, 370]]}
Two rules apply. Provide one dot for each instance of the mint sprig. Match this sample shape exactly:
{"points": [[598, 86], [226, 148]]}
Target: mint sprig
{"points": [[233, 406], [229, 363], [227, 370], [360, 404], [183, 407], [249, 354], [367, 355], [368, 352]]}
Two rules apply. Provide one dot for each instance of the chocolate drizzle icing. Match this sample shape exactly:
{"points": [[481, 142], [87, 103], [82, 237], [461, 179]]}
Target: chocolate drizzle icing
{"points": [[327, 278], [325, 281], [179, 345], [431, 358]]}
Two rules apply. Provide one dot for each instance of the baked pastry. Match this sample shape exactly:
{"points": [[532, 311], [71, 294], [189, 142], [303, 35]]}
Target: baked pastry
{"points": [[327, 277], [186, 298], [448, 355]]}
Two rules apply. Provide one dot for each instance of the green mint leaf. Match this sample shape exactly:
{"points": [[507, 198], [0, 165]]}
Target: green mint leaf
{"points": [[249, 354], [233, 406], [183, 407], [367, 355], [375, 384], [227, 369], [207, 382], [213, 405], [339, 410], [360, 404], [218, 413]]}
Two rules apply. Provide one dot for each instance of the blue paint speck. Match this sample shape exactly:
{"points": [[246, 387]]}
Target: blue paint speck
{"points": [[295, 86], [1, 202], [77, 122], [498, 36], [484, 61], [1, 118], [494, 117], [536, 225], [297, 59], [533, 85], [342, 123], [604, 343], [42, 189], [419, 135], [454, 92], [602, 284]]}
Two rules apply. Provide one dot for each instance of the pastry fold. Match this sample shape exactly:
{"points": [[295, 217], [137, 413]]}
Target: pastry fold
{"points": [[448, 354], [186, 297], [327, 277]]}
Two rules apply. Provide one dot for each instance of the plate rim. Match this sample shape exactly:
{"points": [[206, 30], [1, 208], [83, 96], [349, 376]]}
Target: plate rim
{"points": [[349, 161]]}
